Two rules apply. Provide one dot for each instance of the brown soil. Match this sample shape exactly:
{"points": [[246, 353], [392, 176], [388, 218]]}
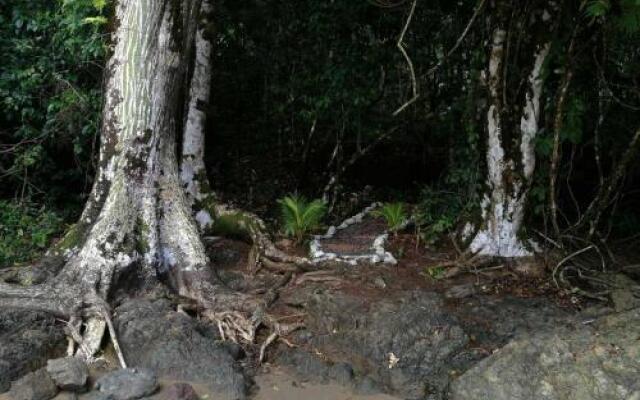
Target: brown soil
{"points": [[411, 272], [355, 239]]}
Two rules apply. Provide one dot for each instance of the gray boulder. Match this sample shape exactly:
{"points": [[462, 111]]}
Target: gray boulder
{"points": [[36, 385], [597, 361], [69, 373], [128, 384], [179, 348], [27, 340]]}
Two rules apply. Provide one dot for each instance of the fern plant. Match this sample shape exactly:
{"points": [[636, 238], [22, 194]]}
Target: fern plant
{"points": [[394, 214], [300, 216], [626, 19]]}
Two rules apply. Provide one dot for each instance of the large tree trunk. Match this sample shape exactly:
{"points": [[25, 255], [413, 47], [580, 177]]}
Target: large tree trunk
{"points": [[137, 224], [510, 149]]}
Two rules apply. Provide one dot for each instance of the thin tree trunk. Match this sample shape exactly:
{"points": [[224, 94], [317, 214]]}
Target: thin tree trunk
{"points": [[211, 215], [558, 124], [192, 168]]}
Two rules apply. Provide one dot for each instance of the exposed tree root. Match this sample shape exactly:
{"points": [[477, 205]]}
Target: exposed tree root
{"points": [[239, 328], [229, 221]]}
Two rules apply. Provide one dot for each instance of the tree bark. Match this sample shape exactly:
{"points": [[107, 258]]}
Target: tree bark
{"points": [[510, 151]]}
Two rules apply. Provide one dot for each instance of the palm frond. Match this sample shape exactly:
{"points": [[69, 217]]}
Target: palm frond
{"points": [[393, 213], [300, 216]]}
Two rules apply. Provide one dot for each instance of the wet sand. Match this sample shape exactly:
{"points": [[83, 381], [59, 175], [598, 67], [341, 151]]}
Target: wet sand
{"points": [[278, 385]]}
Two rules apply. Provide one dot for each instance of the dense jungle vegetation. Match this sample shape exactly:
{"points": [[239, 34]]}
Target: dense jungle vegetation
{"points": [[308, 90]]}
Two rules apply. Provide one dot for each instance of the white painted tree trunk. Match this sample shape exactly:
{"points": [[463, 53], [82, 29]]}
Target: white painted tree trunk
{"points": [[192, 168], [509, 178]]}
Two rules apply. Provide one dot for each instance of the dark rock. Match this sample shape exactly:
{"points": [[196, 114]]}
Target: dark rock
{"points": [[177, 347], [301, 336], [27, 340], [623, 296], [307, 367], [597, 361], [128, 383], [69, 373], [36, 385], [304, 365], [493, 322], [180, 391], [341, 373], [404, 344], [410, 343]]}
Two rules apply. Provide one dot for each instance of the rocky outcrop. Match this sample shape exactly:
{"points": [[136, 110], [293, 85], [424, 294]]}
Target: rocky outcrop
{"points": [[128, 384], [36, 385], [405, 345], [597, 360]]}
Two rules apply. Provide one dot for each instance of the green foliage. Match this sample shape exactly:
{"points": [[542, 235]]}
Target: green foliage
{"points": [[574, 119], [439, 213], [626, 17], [597, 8], [393, 213], [300, 216], [50, 93], [25, 231], [434, 273]]}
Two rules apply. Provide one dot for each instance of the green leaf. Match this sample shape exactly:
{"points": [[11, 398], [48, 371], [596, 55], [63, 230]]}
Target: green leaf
{"points": [[300, 216], [393, 213], [96, 21], [597, 8], [99, 4]]}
